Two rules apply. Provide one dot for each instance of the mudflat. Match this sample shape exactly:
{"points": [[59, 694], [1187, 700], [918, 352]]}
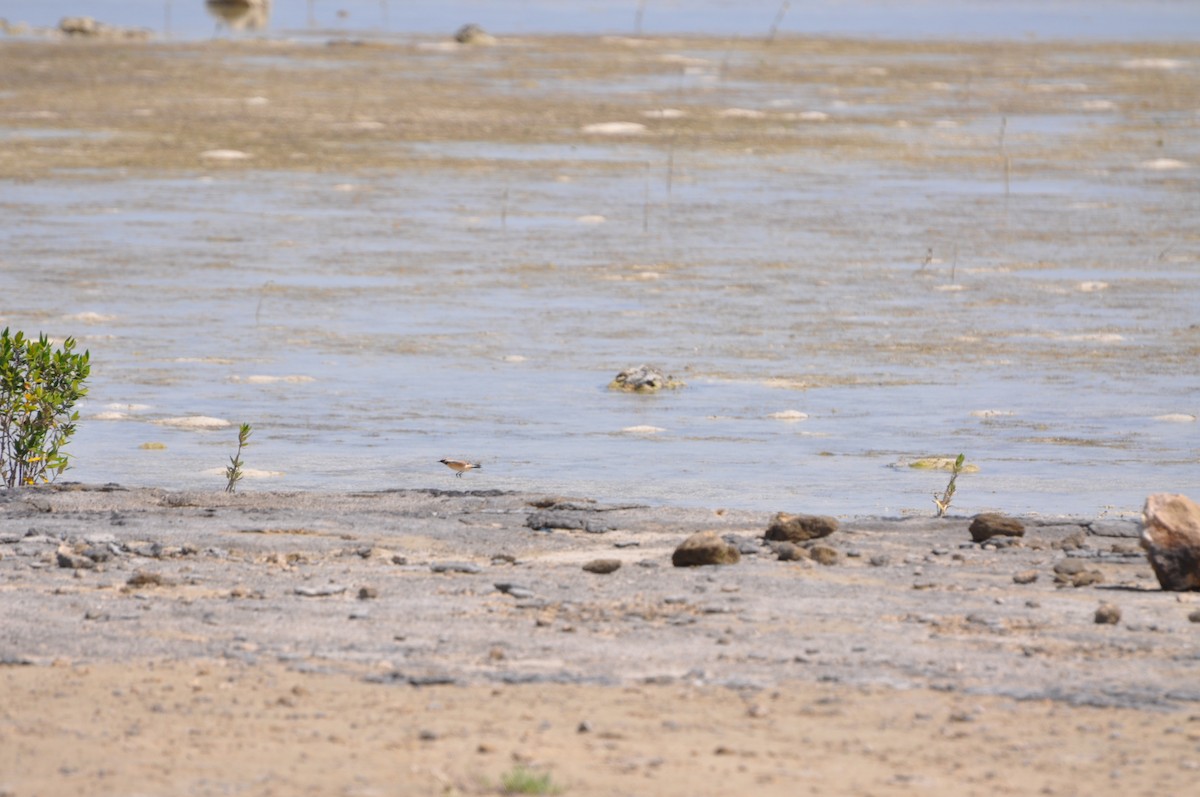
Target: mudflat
{"points": [[436, 641]]}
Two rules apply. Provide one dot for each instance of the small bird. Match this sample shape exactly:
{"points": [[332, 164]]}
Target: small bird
{"points": [[460, 466]]}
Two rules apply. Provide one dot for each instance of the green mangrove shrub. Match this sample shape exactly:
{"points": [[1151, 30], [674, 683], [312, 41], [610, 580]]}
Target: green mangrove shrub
{"points": [[39, 386]]}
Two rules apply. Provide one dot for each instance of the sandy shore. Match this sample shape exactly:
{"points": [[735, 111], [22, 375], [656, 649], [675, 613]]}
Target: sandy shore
{"points": [[430, 641]]}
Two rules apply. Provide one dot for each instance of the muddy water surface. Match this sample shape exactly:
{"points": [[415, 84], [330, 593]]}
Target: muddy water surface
{"points": [[854, 254]]}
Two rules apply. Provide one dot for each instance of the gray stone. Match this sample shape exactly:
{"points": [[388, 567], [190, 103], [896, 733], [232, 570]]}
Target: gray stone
{"points": [[455, 567], [643, 379]]}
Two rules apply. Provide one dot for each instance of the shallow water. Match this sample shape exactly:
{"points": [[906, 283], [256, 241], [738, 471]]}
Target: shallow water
{"points": [[476, 304], [1113, 19]]}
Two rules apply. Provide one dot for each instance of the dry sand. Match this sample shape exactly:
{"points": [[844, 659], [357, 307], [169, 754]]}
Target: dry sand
{"points": [[305, 643]]}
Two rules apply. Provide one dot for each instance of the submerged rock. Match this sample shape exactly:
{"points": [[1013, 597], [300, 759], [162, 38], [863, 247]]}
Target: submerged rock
{"points": [[473, 34], [644, 379], [993, 524], [705, 548], [1171, 537], [800, 528]]}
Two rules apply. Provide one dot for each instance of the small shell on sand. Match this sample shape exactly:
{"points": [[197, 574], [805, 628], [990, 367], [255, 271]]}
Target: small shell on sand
{"points": [[225, 155], [615, 128], [741, 113], [643, 429], [1152, 63], [194, 422], [1163, 164]]}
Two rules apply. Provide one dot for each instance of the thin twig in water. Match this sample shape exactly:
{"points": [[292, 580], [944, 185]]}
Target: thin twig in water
{"points": [[783, 9]]}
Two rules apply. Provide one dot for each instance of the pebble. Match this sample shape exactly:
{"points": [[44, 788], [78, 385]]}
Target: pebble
{"points": [[602, 566], [1025, 577], [366, 593], [1194, 616], [1108, 614]]}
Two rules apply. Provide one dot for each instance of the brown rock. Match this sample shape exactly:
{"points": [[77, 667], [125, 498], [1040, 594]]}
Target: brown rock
{"points": [[800, 528], [68, 558], [993, 524], [603, 566], [705, 548], [1171, 537], [144, 578], [367, 593], [1075, 573], [1108, 614], [823, 554], [1025, 577]]}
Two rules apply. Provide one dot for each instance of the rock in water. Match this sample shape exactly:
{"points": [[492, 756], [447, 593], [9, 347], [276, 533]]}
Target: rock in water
{"points": [[1171, 537], [800, 528], [705, 548], [473, 34], [643, 379], [993, 524]]}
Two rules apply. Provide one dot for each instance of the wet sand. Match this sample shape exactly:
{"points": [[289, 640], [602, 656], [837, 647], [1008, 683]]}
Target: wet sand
{"points": [[428, 641]]}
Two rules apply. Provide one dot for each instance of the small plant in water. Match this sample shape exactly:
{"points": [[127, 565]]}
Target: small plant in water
{"points": [[234, 472], [943, 503], [39, 386], [520, 780]]}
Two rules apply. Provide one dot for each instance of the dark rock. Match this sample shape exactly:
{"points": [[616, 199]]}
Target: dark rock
{"points": [[1108, 614], [992, 524], [705, 548], [367, 593], [603, 566], [473, 34], [1194, 616], [552, 519], [68, 558], [1171, 537], [800, 528]]}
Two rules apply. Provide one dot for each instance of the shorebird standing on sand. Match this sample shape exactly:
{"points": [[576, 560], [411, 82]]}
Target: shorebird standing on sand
{"points": [[460, 466]]}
